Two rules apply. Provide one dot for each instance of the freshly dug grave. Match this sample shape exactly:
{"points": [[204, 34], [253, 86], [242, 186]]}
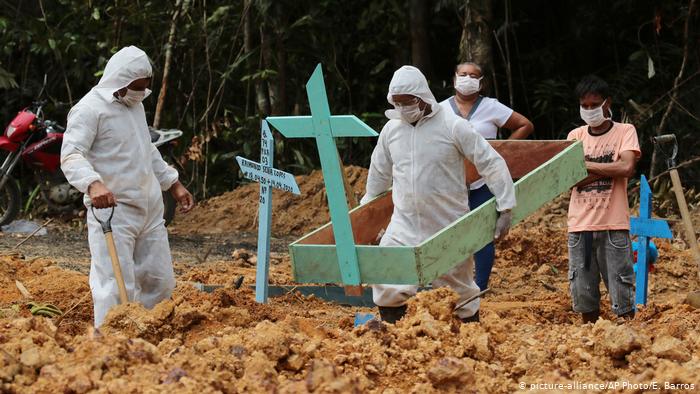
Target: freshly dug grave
{"points": [[222, 342], [225, 342], [237, 210]]}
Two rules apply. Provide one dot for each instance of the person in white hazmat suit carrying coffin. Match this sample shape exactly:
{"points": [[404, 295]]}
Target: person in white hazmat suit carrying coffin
{"points": [[420, 154], [107, 154]]}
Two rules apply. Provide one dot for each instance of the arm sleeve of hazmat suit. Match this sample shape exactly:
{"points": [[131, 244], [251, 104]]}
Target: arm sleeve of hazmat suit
{"points": [[165, 174], [380, 169], [488, 162], [77, 141]]}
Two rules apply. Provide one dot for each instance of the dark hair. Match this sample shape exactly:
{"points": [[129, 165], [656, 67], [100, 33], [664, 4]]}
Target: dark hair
{"points": [[478, 67], [592, 84]]}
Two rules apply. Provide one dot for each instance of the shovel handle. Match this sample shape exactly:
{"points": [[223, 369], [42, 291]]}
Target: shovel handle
{"points": [[107, 224], [116, 267], [664, 139], [113, 256]]}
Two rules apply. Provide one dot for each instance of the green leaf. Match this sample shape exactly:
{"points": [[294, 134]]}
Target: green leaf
{"points": [[219, 14], [304, 20], [379, 67], [52, 43], [96, 14], [7, 79]]}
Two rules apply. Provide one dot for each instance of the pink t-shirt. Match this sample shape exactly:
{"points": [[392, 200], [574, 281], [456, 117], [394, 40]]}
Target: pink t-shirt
{"points": [[602, 205]]}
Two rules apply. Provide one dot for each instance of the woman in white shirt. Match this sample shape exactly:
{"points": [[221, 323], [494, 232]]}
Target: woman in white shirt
{"points": [[487, 115]]}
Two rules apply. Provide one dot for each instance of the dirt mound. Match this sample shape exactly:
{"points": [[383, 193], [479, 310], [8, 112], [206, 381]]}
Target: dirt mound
{"points": [[237, 210], [225, 342], [47, 283]]}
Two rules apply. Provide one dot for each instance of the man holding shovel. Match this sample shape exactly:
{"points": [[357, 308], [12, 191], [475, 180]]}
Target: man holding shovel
{"points": [[108, 155]]}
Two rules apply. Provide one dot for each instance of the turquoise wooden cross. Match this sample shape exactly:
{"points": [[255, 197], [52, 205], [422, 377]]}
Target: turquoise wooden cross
{"points": [[644, 227], [269, 178], [324, 128]]}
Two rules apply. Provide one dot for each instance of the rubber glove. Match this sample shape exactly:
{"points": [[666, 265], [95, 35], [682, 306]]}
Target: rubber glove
{"points": [[503, 225]]}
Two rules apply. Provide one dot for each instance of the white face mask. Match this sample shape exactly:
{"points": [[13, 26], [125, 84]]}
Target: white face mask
{"points": [[133, 97], [467, 85], [411, 113], [594, 117]]}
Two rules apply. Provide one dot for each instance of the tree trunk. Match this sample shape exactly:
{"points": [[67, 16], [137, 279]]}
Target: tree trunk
{"points": [[261, 100], [166, 67], [268, 56], [419, 11], [476, 42], [281, 108]]}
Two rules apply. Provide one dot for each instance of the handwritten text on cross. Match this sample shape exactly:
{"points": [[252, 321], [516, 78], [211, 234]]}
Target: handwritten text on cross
{"points": [[268, 178]]}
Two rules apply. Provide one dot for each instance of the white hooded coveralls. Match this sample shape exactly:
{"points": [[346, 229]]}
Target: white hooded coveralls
{"points": [[108, 141], [424, 164]]}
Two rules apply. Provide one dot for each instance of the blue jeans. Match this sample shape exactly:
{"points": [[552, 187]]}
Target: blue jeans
{"points": [[483, 259]]}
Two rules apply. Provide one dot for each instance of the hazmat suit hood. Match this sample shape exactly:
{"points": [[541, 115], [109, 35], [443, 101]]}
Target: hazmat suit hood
{"points": [[124, 67], [410, 80]]}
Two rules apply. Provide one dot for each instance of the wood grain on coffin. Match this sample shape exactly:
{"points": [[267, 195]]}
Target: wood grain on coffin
{"points": [[317, 263], [521, 156]]}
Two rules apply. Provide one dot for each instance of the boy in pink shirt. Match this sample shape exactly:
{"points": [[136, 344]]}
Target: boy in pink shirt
{"points": [[599, 242]]}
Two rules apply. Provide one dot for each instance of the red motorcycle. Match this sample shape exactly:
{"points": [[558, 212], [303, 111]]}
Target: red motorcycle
{"points": [[37, 142]]}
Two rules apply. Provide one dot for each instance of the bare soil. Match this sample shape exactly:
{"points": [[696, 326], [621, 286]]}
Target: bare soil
{"points": [[293, 214], [223, 341]]}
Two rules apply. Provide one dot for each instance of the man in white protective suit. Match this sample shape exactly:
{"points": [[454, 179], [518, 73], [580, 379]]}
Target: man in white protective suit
{"points": [[420, 154], [108, 155]]}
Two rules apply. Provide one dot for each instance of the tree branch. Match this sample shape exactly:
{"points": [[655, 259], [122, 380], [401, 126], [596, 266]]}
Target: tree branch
{"points": [[166, 67], [676, 81]]}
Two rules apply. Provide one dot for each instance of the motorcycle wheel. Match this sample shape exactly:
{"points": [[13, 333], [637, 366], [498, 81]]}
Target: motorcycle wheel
{"points": [[169, 205], [9, 201]]}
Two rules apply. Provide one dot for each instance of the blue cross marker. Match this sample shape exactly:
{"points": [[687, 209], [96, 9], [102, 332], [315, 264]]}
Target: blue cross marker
{"points": [[324, 128], [268, 178], [644, 227]]}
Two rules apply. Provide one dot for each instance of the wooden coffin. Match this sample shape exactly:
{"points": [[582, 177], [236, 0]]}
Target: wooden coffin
{"points": [[542, 170]]}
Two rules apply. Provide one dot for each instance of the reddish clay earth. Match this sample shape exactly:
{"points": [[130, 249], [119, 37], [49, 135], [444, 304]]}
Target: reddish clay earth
{"points": [[225, 342]]}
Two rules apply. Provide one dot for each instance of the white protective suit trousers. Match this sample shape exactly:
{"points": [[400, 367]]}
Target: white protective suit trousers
{"points": [[144, 253], [460, 279]]}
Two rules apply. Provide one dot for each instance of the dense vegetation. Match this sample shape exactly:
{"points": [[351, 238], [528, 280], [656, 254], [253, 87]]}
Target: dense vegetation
{"points": [[236, 61]]}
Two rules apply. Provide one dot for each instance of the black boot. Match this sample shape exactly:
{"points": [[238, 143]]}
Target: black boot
{"points": [[471, 319], [392, 314], [590, 317], [627, 316]]}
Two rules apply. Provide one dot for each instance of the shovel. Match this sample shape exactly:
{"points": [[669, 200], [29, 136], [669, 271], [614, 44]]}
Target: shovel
{"points": [[109, 240], [667, 139]]}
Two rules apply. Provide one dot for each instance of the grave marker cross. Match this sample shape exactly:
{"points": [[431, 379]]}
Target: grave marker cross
{"points": [[644, 227], [268, 178], [324, 128]]}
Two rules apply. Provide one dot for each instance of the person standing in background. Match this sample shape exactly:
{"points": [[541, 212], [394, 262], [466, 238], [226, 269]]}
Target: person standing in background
{"points": [[487, 115], [599, 216]]}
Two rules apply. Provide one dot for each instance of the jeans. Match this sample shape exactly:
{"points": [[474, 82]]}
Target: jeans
{"points": [[483, 259], [601, 254]]}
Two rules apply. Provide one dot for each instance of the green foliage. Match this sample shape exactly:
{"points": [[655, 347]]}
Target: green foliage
{"points": [[218, 89]]}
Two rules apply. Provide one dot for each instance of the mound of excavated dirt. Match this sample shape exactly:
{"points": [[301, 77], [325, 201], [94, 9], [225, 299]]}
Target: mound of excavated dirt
{"points": [[225, 342], [237, 210], [47, 283]]}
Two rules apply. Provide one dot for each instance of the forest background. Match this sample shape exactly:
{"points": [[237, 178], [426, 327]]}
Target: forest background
{"points": [[224, 65]]}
